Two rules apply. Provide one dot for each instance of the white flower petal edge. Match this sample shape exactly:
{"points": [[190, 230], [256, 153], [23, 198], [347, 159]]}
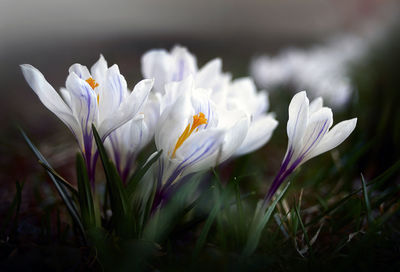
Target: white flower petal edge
{"points": [[309, 135], [242, 94], [168, 67], [260, 132], [51, 99]]}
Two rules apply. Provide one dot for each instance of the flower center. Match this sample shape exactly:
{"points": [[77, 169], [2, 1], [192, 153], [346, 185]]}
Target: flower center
{"points": [[198, 120], [93, 84]]}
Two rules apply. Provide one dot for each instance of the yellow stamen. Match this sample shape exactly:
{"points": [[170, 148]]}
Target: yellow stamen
{"points": [[92, 82], [198, 120]]}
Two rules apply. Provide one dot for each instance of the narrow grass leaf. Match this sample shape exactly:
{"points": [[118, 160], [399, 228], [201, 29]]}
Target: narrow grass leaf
{"points": [[69, 203], [140, 172], [366, 199], [122, 215], [256, 229], [85, 194], [60, 178], [207, 226], [303, 228]]}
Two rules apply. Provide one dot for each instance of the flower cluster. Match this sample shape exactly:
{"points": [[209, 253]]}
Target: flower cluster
{"points": [[323, 70], [198, 117]]}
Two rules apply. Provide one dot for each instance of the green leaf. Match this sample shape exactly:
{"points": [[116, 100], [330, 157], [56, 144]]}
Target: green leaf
{"points": [[258, 225], [366, 199], [164, 218], [140, 172], [121, 211], [60, 178], [303, 228], [375, 182], [69, 203], [207, 226], [85, 194]]}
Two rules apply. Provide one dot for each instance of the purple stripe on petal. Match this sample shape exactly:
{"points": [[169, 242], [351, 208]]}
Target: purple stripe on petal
{"points": [[184, 164], [320, 133]]}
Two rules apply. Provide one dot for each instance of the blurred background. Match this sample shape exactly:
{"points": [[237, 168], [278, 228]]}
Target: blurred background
{"points": [[52, 35]]}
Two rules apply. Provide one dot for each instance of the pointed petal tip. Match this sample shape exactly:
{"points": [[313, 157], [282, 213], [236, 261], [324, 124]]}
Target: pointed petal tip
{"points": [[114, 68], [148, 81], [25, 67], [353, 122]]}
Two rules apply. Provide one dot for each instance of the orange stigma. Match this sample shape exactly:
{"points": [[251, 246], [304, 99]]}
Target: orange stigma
{"points": [[92, 82], [198, 120]]}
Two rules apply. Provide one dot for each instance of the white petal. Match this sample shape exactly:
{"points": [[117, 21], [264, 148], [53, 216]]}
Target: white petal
{"points": [[127, 109], [112, 93], [158, 64], [83, 102], [334, 137], [206, 77], [199, 151], [298, 117], [80, 70], [173, 90], [66, 96], [316, 104], [262, 104], [51, 99], [235, 133], [99, 70], [185, 63], [259, 133], [172, 123], [151, 116], [317, 127]]}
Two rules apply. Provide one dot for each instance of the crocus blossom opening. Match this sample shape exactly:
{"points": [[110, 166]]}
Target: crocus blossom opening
{"points": [[195, 134], [92, 83], [309, 134], [80, 106]]}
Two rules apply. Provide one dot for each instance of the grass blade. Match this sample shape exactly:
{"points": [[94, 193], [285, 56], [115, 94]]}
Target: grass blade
{"points": [[60, 178], [140, 172], [256, 229], [366, 199], [303, 228], [85, 194], [69, 203], [122, 214], [375, 182], [207, 226]]}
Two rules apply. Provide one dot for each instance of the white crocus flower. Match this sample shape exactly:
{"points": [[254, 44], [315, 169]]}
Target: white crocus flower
{"points": [[309, 134], [125, 143], [194, 134], [241, 94], [99, 97], [323, 69], [168, 67]]}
